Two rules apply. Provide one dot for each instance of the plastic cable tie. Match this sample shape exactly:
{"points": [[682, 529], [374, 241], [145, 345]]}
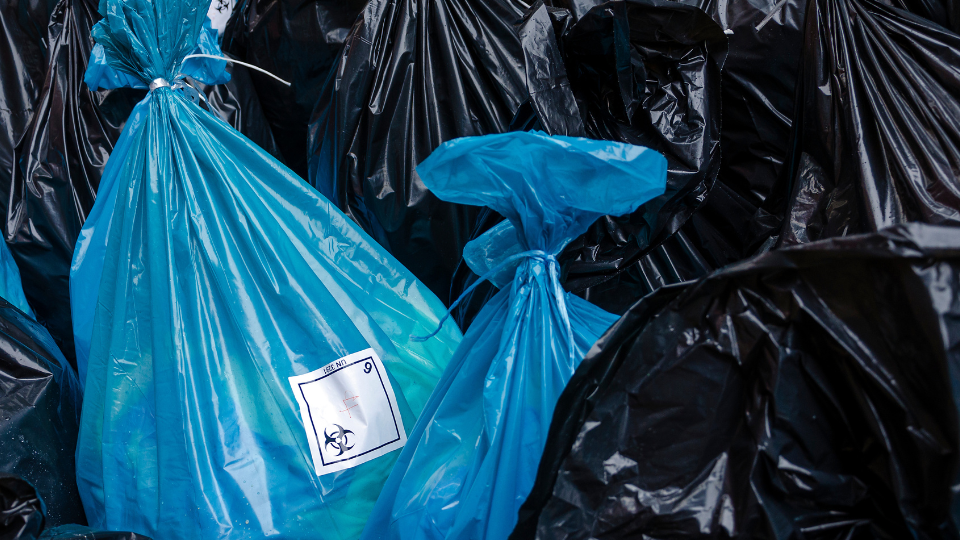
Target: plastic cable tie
{"points": [[159, 82]]}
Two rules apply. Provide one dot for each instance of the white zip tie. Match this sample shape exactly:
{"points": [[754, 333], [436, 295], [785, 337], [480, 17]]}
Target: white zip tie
{"points": [[776, 9], [251, 66]]}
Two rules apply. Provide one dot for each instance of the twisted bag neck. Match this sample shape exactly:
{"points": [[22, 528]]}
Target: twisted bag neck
{"points": [[553, 272]]}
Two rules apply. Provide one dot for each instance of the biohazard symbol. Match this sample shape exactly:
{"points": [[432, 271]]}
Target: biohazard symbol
{"points": [[339, 440]]}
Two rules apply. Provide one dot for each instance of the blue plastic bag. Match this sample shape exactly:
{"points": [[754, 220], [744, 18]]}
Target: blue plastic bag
{"points": [[250, 371], [471, 459]]}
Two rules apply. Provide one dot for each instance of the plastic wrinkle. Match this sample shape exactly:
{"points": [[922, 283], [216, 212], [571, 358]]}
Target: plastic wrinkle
{"points": [[396, 93], [877, 142], [769, 399], [299, 41], [39, 420]]}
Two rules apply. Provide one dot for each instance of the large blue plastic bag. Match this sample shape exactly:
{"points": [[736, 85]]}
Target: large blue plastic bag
{"points": [[471, 459], [91, 245], [219, 276]]}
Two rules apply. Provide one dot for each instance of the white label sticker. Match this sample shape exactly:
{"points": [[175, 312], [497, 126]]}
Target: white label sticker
{"points": [[349, 412]]}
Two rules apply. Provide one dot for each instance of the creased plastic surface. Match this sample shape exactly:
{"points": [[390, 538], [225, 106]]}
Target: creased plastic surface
{"points": [[470, 460], [223, 274], [645, 72], [57, 165], [878, 141], [22, 517], [21, 509], [649, 73], [39, 414], [412, 75], [299, 41], [23, 53], [810, 392]]}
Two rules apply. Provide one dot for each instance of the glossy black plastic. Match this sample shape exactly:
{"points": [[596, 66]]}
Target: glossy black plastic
{"points": [[809, 392], [39, 415], [22, 517], [299, 41], [21, 509], [412, 75], [23, 63], [878, 139], [734, 187]]}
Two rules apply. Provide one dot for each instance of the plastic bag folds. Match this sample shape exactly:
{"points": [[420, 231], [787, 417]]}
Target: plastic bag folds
{"points": [[878, 141], [39, 415], [413, 75], [23, 25], [22, 517], [250, 370], [300, 42], [809, 392], [471, 459], [644, 72], [57, 167]]}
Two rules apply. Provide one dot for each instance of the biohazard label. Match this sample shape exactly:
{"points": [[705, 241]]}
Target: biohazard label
{"points": [[349, 412]]}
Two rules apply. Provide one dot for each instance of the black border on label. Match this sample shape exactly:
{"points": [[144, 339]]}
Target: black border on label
{"points": [[314, 426]]}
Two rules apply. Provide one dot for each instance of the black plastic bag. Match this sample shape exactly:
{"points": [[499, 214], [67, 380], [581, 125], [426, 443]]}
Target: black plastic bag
{"points": [[22, 517], [299, 41], [809, 392], [411, 76], [21, 509], [23, 63], [878, 139], [51, 186], [646, 72], [942, 12], [39, 414], [744, 211], [60, 158], [735, 203]]}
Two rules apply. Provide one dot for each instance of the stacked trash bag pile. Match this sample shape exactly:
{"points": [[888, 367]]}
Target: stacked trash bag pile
{"points": [[479, 269]]}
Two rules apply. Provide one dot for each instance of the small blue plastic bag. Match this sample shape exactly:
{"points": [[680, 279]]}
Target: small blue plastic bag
{"points": [[250, 371], [471, 460]]}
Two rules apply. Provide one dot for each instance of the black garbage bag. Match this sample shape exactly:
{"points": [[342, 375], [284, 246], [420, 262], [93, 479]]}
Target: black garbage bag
{"points": [[52, 184], [744, 211], [60, 158], [646, 72], [21, 509], [22, 517], [735, 204], [942, 12], [23, 64], [299, 41], [411, 76], [878, 132], [39, 414], [810, 392]]}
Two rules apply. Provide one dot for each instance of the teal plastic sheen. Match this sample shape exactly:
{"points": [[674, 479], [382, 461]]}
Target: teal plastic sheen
{"points": [[11, 288], [209, 274], [471, 460]]}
